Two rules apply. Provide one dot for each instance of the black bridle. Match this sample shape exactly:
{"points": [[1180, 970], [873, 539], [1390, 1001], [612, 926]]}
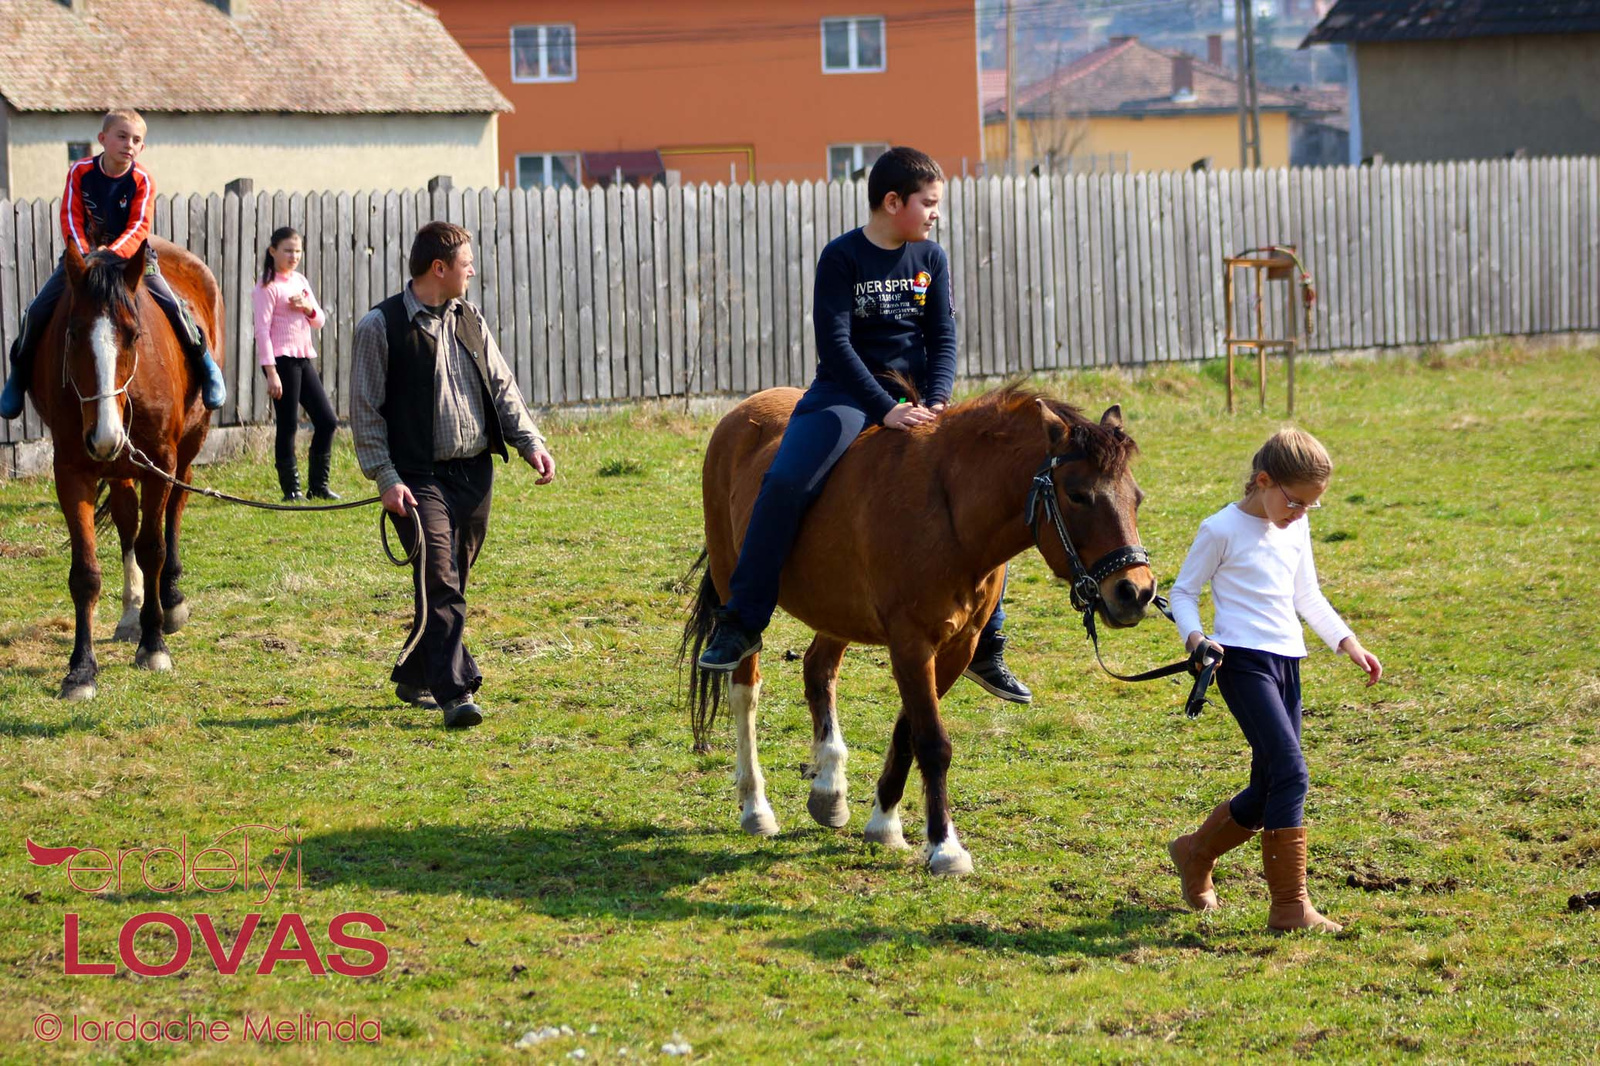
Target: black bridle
{"points": [[1086, 581]]}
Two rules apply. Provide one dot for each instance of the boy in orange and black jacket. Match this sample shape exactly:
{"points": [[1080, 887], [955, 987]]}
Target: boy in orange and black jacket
{"points": [[110, 198]]}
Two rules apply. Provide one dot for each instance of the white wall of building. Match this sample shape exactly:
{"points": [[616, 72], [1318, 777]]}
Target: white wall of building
{"points": [[203, 152]]}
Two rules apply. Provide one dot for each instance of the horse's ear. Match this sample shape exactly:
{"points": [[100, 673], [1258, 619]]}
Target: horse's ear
{"points": [[74, 263], [1055, 427], [1112, 419], [133, 269]]}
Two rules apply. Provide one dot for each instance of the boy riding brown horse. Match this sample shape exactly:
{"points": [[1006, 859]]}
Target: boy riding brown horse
{"points": [[907, 547], [112, 379]]}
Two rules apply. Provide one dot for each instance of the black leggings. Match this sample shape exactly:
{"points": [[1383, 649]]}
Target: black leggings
{"points": [[302, 388]]}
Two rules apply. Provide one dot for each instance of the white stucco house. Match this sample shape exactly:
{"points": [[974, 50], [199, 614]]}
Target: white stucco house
{"points": [[292, 94]]}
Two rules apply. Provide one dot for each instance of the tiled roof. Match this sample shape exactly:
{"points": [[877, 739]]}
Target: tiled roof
{"points": [[313, 56], [1130, 77], [1359, 21], [1327, 105]]}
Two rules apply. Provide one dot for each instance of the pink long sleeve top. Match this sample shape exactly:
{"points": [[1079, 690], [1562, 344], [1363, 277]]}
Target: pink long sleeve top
{"points": [[282, 330]]}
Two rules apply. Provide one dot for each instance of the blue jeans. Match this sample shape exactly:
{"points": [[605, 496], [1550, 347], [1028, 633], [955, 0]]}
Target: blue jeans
{"points": [[825, 422], [1263, 692]]}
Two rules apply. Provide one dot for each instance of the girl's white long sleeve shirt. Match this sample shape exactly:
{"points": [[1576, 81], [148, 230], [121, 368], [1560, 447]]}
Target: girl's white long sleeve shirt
{"points": [[1261, 577]]}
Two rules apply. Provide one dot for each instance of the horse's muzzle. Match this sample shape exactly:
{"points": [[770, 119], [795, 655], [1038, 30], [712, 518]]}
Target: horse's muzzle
{"points": [[1125, 601], [102, 447]]}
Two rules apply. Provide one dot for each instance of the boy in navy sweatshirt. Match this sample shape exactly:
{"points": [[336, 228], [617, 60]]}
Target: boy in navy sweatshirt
{"points": [[881, 305]]}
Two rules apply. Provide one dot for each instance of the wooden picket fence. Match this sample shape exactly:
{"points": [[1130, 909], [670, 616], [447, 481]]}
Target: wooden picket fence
{"points": [[598, 295]]}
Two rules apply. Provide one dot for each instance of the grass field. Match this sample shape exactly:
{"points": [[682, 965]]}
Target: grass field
{"points": [[571, 863]]}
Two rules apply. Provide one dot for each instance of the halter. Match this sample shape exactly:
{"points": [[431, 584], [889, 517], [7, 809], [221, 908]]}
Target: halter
{"points": [[66, 379], [126, 413], [1086, 580]]}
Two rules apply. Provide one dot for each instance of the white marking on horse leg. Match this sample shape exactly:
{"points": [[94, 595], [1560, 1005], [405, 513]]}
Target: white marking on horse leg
{"points": [[154, 660], [948, 858], [755, 813], [132, 598], [107, 436], [884, 827], [829, 800]]}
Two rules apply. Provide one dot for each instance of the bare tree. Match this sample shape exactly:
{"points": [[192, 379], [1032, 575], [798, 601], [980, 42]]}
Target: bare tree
{"points": [[1058, 127]]}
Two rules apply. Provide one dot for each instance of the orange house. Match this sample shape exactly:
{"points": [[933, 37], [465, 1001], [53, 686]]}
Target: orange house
{"points": [[713, 90]]}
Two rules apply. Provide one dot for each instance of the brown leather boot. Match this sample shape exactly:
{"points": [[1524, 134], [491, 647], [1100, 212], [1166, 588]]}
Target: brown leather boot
{"points": [[1195, 855], [1283, 858]]}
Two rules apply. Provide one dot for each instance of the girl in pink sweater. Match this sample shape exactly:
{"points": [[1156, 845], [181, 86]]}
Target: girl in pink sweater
{"points": [[285, 315]]}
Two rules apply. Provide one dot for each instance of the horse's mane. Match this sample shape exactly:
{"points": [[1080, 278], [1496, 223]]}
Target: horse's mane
{"points": [[105, 283], [1107, 447]]}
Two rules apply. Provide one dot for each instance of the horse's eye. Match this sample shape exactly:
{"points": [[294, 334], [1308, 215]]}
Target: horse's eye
{"points": [[1082, 499]]}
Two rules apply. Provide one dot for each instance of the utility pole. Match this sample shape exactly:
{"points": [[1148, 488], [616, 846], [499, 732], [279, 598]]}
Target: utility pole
{"points": [[1011, 88], [1244, 36]]}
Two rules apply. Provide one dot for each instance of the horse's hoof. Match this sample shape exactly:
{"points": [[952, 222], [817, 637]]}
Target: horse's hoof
{"points": [[831, 809], [73, 691], [889, 836], [174, 617], [759, 823], [152, 660], [948, 860], [128, 630]]}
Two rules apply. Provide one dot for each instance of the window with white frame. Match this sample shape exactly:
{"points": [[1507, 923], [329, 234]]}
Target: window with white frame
{"points": [[544, 53], [853, 45], [845, 159], [549, 170]]}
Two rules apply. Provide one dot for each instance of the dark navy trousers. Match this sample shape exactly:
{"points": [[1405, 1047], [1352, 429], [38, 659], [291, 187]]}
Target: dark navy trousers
{"points": [[43, 306], [1263, 692], [825, 422]]}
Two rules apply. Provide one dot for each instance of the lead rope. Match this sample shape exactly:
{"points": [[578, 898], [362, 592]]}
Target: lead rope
{"points": [[417, 552]]}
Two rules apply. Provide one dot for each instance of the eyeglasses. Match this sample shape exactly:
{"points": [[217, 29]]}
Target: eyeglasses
{"points": [[1297, 505]]}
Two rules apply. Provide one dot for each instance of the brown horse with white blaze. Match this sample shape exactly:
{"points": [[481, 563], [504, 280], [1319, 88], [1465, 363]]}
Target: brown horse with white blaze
{"points": [[906, 547], [111, 372]]}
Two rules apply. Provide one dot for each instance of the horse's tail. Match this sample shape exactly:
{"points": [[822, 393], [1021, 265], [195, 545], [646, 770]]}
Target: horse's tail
{"points": [[102, 507], [705, 686]]}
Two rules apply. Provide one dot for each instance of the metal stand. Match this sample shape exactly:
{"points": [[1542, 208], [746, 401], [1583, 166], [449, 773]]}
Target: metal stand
{"points": [[1274, 264]]}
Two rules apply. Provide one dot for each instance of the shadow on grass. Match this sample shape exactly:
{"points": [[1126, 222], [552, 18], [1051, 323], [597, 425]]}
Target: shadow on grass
{"points": [[1126, 929], [349, 716], [639, 872], [22, 727]]}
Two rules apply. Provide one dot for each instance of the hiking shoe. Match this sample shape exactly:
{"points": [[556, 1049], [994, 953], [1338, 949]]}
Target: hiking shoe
{"points": [[730, 644], [989, 672], [462, 712], [416, 696], [213, 390]]}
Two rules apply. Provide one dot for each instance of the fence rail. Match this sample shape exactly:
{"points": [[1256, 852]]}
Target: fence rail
{"points": [[624, 293]]}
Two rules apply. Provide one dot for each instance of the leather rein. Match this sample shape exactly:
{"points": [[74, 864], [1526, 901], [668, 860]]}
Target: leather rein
{"points": [[1086, 581]]}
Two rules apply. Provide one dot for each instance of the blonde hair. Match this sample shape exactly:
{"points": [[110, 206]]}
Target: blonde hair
{"points": [[124, 114], [1290, 455]]}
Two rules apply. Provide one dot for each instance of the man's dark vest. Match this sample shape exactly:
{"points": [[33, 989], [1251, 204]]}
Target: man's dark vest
{"points": [[408, 397]]}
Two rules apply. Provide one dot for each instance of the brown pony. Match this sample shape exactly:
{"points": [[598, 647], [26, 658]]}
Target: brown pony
{"points": [[906, 546], [110, 371]]}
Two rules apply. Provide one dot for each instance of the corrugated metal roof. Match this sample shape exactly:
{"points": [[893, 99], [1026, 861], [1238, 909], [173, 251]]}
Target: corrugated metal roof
{"points": [[1365, 21]]}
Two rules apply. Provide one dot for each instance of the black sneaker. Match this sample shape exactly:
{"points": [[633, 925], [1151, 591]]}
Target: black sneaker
{"points": [[462, 712], [989, 671], [730, 644], [416, 696]]}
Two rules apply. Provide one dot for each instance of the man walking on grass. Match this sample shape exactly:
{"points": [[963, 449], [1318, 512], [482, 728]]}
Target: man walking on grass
{"points": [[433, 400]]}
